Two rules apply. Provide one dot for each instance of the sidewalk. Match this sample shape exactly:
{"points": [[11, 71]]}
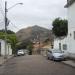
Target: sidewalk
{"points": [[2, 60], [69, 62]]}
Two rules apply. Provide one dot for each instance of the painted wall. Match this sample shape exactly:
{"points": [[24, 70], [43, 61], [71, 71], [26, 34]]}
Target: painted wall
{"points": [[71, 16], [56, 43], [63, 42], [9, 50], [71, 28]]}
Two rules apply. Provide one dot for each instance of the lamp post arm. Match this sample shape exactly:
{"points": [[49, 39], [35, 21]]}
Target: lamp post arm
{"points": [[14, 6], [6, 24]]}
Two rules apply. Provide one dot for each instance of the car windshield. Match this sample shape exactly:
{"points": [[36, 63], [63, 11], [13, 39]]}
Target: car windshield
{"points": [[20, 51], [57, 51]]}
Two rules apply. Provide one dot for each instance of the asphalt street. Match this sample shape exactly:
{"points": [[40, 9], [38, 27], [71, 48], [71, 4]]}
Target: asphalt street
{"points": [[35, 65]]}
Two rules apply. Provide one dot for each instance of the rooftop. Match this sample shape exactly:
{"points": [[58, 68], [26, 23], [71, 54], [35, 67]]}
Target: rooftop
{"points": [[69, 3]]}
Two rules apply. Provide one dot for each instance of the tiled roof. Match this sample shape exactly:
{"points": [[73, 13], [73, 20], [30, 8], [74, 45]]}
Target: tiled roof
{"points": [[69, 3]]}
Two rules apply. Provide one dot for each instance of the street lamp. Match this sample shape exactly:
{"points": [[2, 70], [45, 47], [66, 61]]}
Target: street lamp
{"points": [[14, 5], [6, 24]]}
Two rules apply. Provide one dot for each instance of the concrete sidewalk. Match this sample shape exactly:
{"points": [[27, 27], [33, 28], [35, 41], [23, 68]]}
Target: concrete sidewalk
{"points": [[69, 62], [2, 60]]}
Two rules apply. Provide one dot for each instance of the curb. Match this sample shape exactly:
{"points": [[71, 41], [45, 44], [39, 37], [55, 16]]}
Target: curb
{"points": [[2, 60], [69, 63], [5, 60], [8, 59]]}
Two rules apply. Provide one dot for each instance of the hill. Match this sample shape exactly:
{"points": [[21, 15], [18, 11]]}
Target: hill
{"points": [[34, 33]]}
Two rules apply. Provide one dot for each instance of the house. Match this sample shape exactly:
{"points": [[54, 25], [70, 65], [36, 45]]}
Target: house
{"points": [[2, 48], [68, 44], [45, 48], [62, 44], [71, 27]]}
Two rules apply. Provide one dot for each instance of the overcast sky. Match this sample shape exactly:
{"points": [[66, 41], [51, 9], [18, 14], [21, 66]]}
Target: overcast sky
{"points": [[35, 12]]}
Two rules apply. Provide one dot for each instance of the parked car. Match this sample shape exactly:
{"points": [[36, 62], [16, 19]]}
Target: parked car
{"points": [[26, 52], [20, 52], [55, 55]]}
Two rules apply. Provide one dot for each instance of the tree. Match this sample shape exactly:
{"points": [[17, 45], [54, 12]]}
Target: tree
{"points": [[27, 44], [30, 47], [60, 27], [8, 31]]}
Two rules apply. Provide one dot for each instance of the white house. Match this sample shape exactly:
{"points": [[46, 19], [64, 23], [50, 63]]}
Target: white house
{"points": [[71, 27], [2, 48], [68, 43], [62, 44]]}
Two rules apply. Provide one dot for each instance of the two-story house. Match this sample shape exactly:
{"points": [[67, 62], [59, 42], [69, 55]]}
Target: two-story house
{"points": [[71, 27]]}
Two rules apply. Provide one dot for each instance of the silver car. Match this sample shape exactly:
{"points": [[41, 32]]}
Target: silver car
{"points": [[55, 55]]}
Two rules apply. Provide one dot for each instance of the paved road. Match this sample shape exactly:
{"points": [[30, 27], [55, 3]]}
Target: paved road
{"points": [[35, 65]]}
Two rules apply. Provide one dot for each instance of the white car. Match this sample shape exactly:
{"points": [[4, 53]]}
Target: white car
{"points": [[55, 55], [20, 52]]}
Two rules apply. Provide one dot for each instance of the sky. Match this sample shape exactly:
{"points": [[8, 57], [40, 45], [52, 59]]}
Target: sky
{"points": [[34, 12]]}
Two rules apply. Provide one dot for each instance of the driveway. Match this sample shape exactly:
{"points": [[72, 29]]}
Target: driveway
{"points": [[35, 65]]}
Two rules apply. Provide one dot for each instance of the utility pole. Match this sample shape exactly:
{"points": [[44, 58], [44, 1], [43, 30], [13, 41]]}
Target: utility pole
{"points": [[6, 24], [5, 30]]}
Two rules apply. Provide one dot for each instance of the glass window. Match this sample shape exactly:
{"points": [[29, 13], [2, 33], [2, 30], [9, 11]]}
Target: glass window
{"points": [[59, 46], [64, 46]]}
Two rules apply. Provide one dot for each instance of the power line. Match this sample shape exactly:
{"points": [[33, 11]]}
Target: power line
{"points": [[14, 25], [2, 12], [1, 23]]}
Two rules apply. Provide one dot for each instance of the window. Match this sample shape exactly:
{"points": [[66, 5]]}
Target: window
{"points": [[60, 46], [64, 46], [74, 35]]}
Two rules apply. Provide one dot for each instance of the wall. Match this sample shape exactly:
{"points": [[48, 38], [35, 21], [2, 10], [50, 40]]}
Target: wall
{"points": [[71, 28], [9, 50], [56, 43], [63, 41], [2, 47], [71, 16]]}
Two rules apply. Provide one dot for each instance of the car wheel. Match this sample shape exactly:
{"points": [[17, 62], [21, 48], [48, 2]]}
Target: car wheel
{"points": [[51, 58], [48, 58]]}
